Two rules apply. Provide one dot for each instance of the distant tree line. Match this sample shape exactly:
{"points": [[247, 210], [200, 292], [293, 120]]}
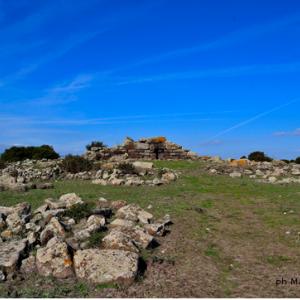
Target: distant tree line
{"points": [[260, 156], [17, 153]]}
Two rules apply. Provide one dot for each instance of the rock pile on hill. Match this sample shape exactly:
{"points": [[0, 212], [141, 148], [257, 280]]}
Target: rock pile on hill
{"points": [[70, 238], [145, 149], [275, 172]]}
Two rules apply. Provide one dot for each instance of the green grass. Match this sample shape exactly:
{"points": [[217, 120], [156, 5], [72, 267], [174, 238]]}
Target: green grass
{"points": [[216, 217]]}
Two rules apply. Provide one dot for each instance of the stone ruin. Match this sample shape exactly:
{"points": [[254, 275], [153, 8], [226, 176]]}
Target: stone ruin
{"points": [[144, 149], [274, 172], [58, 239]]}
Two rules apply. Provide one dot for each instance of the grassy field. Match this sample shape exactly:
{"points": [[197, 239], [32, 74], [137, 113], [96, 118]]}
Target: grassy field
{"points": [[230, 238]]}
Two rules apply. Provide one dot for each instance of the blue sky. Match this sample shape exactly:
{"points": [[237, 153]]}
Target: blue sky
{"points": [[219, 77]]}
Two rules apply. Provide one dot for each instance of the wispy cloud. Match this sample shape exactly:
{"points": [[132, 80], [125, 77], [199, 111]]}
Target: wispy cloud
{"points": [[224, 72], [244, 34], [251, 120], [63, 93], [295, 132]]}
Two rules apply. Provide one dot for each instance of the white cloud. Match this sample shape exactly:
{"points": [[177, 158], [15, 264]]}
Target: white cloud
{"points": [[295, 132]]}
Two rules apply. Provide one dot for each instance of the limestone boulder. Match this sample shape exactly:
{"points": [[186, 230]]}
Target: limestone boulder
{"points": [[119, 240], [134, 213], [54, 259], [121, 223], [106, 266], [15, 223], [53, 229], [10, 255]]}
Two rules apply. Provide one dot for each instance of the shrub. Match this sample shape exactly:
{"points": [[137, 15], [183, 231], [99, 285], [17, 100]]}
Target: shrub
{"points": [[259, 156], [2, 164], [75, 164], [297, 160], [21, 153], [79, 211], [97, 144], [127, 168]]}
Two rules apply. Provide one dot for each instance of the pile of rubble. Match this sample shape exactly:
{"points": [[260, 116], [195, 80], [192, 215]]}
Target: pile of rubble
{"points": [[31, 174], [145, 149], [276, 171], [49, 241]]}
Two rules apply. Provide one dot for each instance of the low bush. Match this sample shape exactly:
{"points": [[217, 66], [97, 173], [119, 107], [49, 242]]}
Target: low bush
{"points": [[97, 144], [259, 156], [79, 211], [297, 160], [127, 168], [2, 164], [75, 164], [21, 153]]}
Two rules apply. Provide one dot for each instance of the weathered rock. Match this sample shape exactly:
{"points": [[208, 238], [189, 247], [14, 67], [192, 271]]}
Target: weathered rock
{"points": [[10, 254], [119, 240], [53, 229], [106, 266], [44, 185], [155, 229], [121, 223], [143, 167], [141, 238], [28, 265], [168, 177], [235, 175], [95, 223], [14, 223], [70, 199], [118, 204], [54, 259], [134, 213], [144, 217]]}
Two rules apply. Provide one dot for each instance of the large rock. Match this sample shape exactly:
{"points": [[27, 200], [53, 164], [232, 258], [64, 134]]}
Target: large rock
{"points": [[10, 255], [133, 212], [140, 237], [141, 166], [106, 266], [14, 223], [21, 209], [54, 259], [65, 201], [119, 240], [53, 228]]}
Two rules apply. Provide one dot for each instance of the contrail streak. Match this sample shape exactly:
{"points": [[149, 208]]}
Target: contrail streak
{"points": [[246, 122]]}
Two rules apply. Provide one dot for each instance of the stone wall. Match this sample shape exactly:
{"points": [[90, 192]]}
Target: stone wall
{"points": [[145, 148]]}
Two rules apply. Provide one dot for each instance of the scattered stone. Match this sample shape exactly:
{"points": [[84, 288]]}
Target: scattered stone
{"points": [[118, 204], [14, 223]]}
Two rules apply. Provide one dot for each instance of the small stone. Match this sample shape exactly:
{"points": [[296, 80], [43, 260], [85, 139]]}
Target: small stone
{"points": [[2, 276], [14, 223]]}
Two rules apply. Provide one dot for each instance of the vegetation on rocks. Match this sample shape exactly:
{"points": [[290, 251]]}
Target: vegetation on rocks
{"points": [[259, 156], [95, 144], [75, 164]]}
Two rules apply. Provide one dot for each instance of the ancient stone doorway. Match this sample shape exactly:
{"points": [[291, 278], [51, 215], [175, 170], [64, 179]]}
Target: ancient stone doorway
{"points": [[158, 152]]}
